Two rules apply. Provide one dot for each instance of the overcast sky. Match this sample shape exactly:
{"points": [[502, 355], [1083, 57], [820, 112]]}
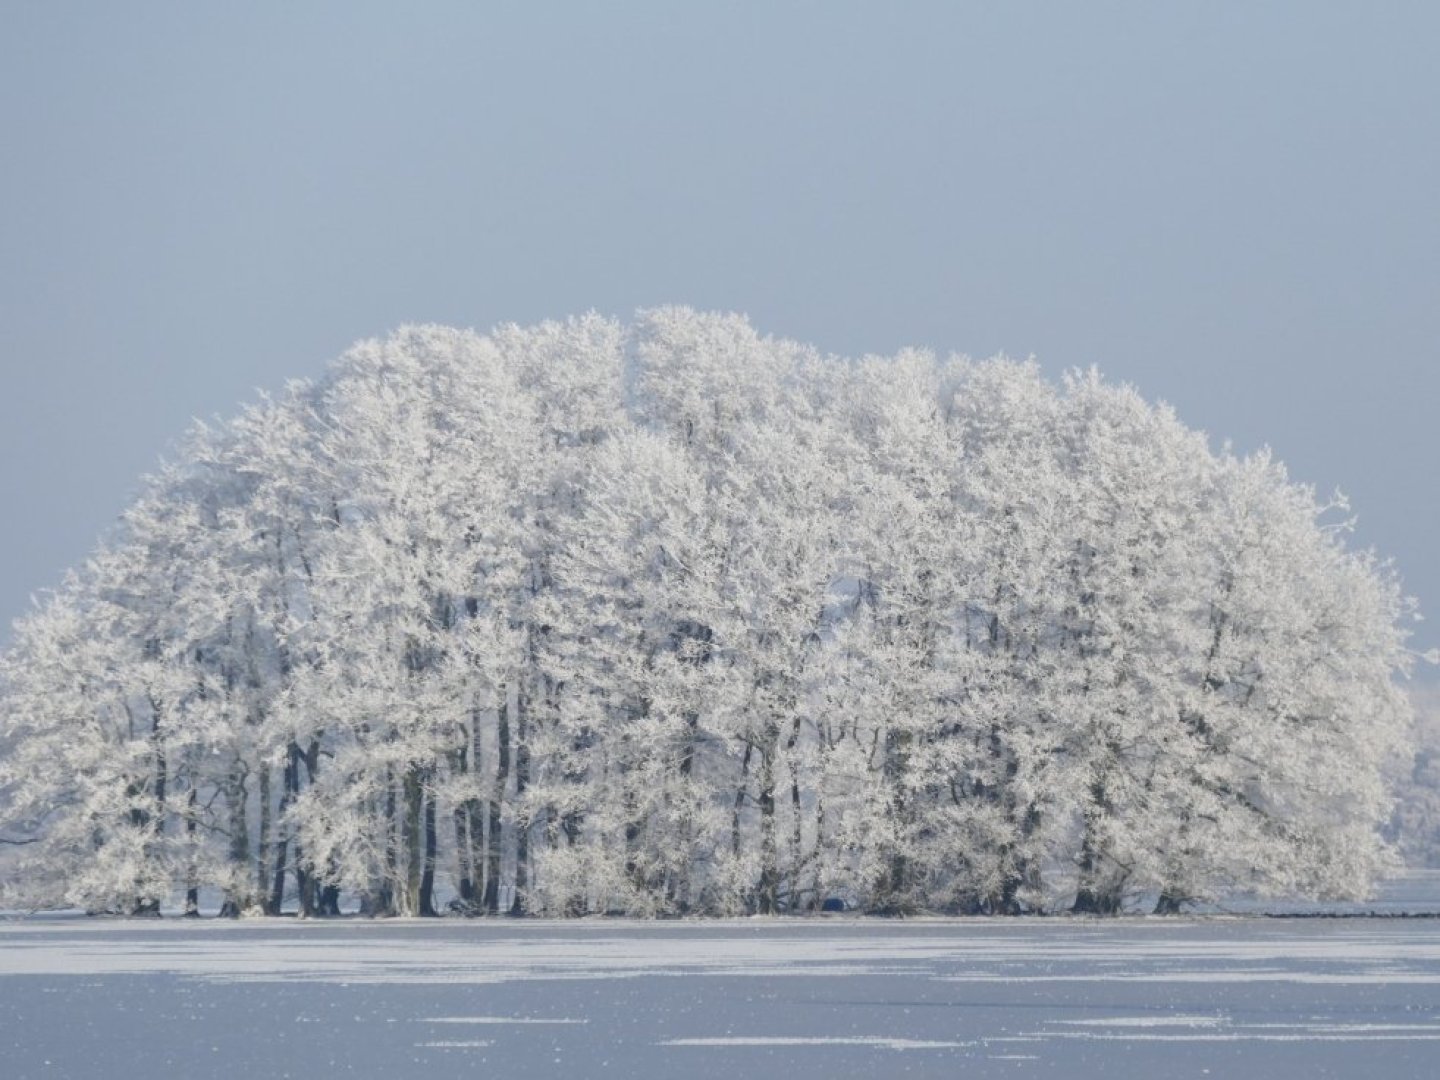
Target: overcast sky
{"points": [[1236, 207]]}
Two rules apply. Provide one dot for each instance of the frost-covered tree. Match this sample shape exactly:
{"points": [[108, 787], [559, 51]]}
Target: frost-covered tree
{"points": [[1414, 824], [676, 618]]}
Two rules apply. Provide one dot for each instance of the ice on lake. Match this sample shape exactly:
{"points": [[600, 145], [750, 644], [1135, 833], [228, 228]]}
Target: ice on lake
{"points": [[1217, 996]]}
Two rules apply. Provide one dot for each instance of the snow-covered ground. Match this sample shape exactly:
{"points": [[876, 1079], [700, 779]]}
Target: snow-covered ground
{"points": [[1218, 996]]}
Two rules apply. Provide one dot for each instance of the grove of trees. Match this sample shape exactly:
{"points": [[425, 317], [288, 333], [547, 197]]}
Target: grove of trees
{"points": [[673, 618]]}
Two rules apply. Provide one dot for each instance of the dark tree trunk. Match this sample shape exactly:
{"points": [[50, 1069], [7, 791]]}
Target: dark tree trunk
{"points": [[413, 811], [154, 822], [797, 860], [470, 827], [522, 829], [1096, 894], [161, 779], [274, 904], [427, 872], [192, 891], [291, 789], [465, 885], [1090, 901], [1169, 903], [382, 900], [741, 789], [494, 848], [236, 796], [1023, 872], [894, 894], [633, 832], [475, 836], [262, 851], [304, 883], [769, 889], [304, 872]]}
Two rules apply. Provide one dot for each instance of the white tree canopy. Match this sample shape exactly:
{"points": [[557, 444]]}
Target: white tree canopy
{"points": [[672, 617]]}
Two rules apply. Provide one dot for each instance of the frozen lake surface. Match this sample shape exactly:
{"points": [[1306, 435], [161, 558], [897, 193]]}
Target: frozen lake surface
{"points": [[1219, 996]]}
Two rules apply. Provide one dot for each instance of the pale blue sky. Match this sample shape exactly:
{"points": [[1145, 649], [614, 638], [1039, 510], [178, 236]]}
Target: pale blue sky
{"points": [[1233, 206]]}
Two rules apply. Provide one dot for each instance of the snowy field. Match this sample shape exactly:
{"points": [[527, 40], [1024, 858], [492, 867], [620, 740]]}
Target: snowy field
{"points": [[1222, 996]]}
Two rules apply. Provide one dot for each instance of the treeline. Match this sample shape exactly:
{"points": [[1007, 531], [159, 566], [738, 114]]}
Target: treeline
{"points": [[673, 618]]}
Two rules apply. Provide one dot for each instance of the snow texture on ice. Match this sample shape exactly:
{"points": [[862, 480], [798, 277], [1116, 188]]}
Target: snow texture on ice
{"points": [[822, 998]]}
